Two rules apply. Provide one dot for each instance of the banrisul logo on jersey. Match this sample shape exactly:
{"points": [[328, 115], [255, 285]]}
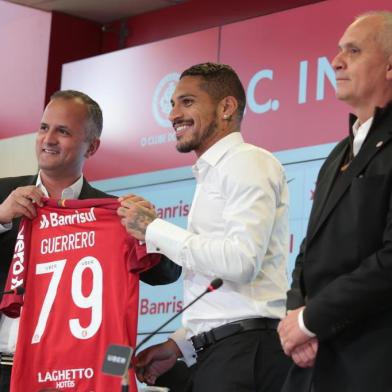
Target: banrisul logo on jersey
{"points": [[54, 219]]}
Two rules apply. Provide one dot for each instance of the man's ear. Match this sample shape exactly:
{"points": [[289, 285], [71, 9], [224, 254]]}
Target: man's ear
{"points": [[228, 107], [92, 148]]}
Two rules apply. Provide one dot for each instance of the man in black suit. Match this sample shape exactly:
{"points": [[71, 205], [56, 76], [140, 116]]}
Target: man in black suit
{"points": [[68, 135], [339, 321]]}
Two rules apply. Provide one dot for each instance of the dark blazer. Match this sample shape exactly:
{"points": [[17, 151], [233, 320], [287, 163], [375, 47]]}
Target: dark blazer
{"points": [[163, 273], [343, 272]]}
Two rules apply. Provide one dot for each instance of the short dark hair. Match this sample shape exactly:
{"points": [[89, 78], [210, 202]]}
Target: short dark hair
{"points": [[220, 81], [94, 112]]}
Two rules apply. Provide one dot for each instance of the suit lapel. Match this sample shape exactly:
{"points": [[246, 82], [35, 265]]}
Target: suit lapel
{"points": [[86, 191], [32, 180], [324, 188], [331, 194]]}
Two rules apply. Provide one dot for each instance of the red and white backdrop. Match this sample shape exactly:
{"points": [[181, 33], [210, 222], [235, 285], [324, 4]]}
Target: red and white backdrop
{"points": [[283, 60]]}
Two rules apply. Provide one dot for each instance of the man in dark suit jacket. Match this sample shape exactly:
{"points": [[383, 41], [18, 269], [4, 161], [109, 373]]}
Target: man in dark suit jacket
{"points": [[69, 134], [339, 323]]}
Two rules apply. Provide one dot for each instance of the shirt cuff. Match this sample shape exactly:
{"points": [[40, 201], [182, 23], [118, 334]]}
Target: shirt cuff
{"points": [[186, 347], [165, 238], [5, 227], [8, 333], [302, 326]]}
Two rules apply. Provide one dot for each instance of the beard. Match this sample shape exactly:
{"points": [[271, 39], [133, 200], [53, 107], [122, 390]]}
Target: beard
{"points": [[197, 140]]}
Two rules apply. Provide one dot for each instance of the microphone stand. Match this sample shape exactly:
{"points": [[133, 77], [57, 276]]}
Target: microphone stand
{"points": [[125, 381], [215, 284]]}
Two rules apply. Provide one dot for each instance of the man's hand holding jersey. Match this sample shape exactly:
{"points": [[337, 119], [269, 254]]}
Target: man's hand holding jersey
{"points": [[20, 202], [136, 214]]}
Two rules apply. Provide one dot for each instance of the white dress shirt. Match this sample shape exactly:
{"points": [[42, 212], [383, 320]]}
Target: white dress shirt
{"points": [[9, 326], [360, 132], [237, 231]]}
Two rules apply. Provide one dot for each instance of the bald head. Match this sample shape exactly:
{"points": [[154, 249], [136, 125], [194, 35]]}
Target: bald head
{"points": [[382, 21], [363, 65]]}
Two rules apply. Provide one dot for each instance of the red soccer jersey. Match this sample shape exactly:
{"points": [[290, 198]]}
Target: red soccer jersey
{"points": [[80, 271]]}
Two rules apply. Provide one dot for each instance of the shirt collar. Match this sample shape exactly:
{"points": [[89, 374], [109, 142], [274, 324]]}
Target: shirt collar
{"points": [[214, 154], [71, 192], [219, 149], [357, 127]]}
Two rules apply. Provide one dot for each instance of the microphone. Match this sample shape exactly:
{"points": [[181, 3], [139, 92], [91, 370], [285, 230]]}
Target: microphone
{"points": [[215, 284], [20, 290]]}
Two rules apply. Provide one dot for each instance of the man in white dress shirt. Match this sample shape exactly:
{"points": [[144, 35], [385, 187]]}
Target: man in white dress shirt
{"points": [[237, 230]]}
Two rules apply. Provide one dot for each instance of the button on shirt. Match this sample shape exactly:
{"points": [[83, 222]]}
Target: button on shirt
{"points": [[237, 230], [9, 326]]}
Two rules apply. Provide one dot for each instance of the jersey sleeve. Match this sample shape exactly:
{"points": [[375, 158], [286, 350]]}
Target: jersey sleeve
{"points": [[138, 259], [11, 303]]}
